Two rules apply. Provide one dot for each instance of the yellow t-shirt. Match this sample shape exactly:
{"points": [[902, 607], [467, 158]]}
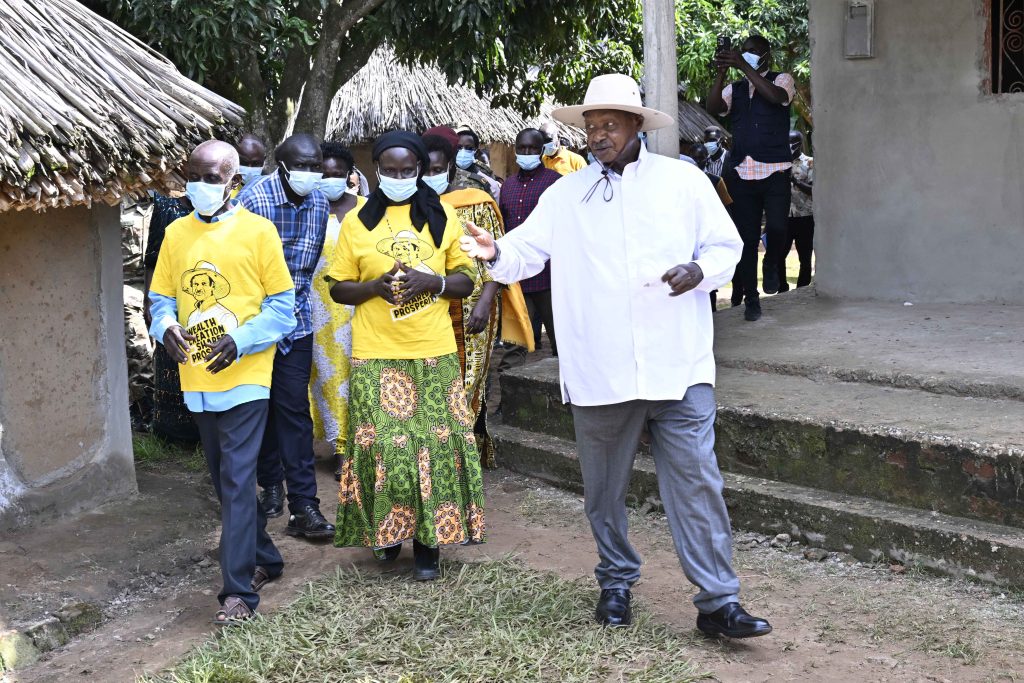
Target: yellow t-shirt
{"points": [[220, 273], [564, 162], [420, 328]]}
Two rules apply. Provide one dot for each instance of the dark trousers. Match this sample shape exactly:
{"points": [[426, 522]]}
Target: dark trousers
{"points": [[801, 231], [538, 305], [231, 442], [287, 452], [752, 200]]}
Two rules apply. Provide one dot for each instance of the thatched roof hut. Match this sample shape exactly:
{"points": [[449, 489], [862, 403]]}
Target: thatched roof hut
{"points": [[88, 112], [387, 95]]}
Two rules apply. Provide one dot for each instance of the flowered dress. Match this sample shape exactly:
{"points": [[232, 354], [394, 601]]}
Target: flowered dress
{"points": [[332, 348], [411, 468]]}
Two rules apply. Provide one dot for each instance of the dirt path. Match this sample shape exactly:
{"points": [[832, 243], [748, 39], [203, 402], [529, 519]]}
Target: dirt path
{"points": [[834, 620]]}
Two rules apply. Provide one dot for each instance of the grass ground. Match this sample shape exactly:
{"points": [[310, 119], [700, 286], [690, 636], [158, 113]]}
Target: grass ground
{"points": [[487, 621], [153, 452], [792, 271]]}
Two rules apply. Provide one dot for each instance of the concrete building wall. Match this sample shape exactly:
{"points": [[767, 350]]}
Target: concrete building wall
{"points": [[919, 171], [65, 435]]}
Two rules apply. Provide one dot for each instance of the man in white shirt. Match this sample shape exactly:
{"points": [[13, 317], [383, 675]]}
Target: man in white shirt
{"points": [[636, 242]]}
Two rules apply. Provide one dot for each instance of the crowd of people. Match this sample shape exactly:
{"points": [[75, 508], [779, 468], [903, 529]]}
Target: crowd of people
{"points": [[291, 303]]}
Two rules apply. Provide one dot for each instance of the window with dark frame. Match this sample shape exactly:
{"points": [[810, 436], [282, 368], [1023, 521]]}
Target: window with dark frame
{"points": [[1007, 46]]}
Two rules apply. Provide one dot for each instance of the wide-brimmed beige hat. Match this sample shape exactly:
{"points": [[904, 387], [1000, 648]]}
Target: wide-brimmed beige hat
{"points": [[613, 91]]}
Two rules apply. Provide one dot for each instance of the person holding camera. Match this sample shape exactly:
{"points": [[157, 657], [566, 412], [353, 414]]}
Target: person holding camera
{"points": [[758, 170]]}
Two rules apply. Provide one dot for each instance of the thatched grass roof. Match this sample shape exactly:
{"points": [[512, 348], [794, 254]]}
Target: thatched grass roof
{"points": [[385, 95], [693, 120], [88, 112]]}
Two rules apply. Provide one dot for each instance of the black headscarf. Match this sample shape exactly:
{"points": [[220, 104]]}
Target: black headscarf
{"points": [[426, 205]]}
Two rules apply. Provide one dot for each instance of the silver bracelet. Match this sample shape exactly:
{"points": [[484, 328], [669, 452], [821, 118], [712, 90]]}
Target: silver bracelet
{"points": [[444, 283]]}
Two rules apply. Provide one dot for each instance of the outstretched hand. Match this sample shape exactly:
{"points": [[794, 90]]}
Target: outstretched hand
{"points": [[478, 244]]}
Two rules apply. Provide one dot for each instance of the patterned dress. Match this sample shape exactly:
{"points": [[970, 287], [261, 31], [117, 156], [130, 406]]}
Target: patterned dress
{"points": [[332, 348], [475, 349], [411, 469]]}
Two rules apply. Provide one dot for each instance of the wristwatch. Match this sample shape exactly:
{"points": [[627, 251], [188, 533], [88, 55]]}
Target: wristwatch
{"points": [[497, 255]]}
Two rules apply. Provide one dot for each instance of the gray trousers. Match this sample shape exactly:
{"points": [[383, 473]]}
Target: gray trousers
{"points": [[683, 446], [231, 441]]}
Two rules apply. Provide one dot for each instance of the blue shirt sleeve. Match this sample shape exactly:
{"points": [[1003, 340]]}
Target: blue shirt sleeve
{"points": [[274, 322], [164, 310]]}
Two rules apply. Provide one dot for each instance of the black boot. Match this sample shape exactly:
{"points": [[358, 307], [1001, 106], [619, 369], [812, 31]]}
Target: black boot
{"points": [[309, 524], [272, 500], [425, 561], [389, 554]]}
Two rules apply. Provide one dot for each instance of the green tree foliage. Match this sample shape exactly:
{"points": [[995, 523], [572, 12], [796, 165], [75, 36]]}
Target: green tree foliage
{"points": [[285, 59], [783, 22]]}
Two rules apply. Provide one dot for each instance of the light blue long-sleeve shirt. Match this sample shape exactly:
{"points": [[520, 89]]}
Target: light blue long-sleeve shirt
{"points": [[273, 323]]}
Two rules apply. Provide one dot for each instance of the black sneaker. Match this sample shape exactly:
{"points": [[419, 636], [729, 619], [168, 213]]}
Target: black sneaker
{"points": [[309, 524], [272, 501], [753, 310]]}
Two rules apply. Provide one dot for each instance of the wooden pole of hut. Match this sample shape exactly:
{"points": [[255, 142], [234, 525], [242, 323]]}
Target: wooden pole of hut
{"points": [[661, 80]]}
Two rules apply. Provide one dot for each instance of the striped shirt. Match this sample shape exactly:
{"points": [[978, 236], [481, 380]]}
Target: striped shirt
{"points": [[303, 229], [749, 169]]}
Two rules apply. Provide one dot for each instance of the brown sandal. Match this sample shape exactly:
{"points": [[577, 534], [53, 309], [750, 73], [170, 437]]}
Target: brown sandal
{"points": [[260, 578], [234, 611]]}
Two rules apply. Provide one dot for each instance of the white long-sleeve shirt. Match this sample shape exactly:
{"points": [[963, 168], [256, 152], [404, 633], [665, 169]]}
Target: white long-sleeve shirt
{"points": [[621, 337]]}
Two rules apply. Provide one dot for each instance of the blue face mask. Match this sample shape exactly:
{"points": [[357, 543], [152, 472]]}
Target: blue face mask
{"points": [[302, 182], [333, 188], [464, 158], [528, 162], [591, 158], [752, 59], [250, 173], [550, 148], [439, 182], [711, 147], [206, 198], [397, 189]]}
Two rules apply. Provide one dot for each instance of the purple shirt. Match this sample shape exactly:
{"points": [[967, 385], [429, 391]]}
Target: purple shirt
{"points": [[519, 197]]}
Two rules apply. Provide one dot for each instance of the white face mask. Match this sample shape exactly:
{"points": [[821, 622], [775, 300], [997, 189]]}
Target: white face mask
{"points": [[206, 198], [250, 173], [752, 59], [333, 188], [438, 182], [398, 189], [302, 182]]}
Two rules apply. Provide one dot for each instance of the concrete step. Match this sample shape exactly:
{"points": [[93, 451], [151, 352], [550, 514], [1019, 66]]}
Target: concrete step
{"points": [[870, 530], [957, 455]]}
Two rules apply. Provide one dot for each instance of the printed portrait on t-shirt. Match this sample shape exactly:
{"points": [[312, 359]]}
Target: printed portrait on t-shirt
{"points": [[407, 248], [210, 319]]}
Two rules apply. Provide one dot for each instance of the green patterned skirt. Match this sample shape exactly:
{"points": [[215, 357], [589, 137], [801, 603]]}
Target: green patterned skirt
{"points": [[411, 467]]}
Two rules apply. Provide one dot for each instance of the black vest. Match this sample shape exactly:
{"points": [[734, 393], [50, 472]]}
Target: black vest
{"points": [[760, 129]]}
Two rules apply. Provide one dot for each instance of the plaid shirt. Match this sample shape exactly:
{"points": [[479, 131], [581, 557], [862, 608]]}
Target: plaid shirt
{"points": [[303, 229], [519, 197]]}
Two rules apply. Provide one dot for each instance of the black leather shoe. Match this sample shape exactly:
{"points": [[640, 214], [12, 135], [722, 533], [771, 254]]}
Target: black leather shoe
{"points": [[752, 312], [309, 524], [272, 500], [425, 562], [613, 608], [770, 279], [732, 621]]}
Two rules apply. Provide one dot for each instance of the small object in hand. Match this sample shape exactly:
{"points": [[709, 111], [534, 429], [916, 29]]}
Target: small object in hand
{"points": [[723, 44]]}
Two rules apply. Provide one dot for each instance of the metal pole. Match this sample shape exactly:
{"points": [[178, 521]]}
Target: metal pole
{"points": [[661, 80]]}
